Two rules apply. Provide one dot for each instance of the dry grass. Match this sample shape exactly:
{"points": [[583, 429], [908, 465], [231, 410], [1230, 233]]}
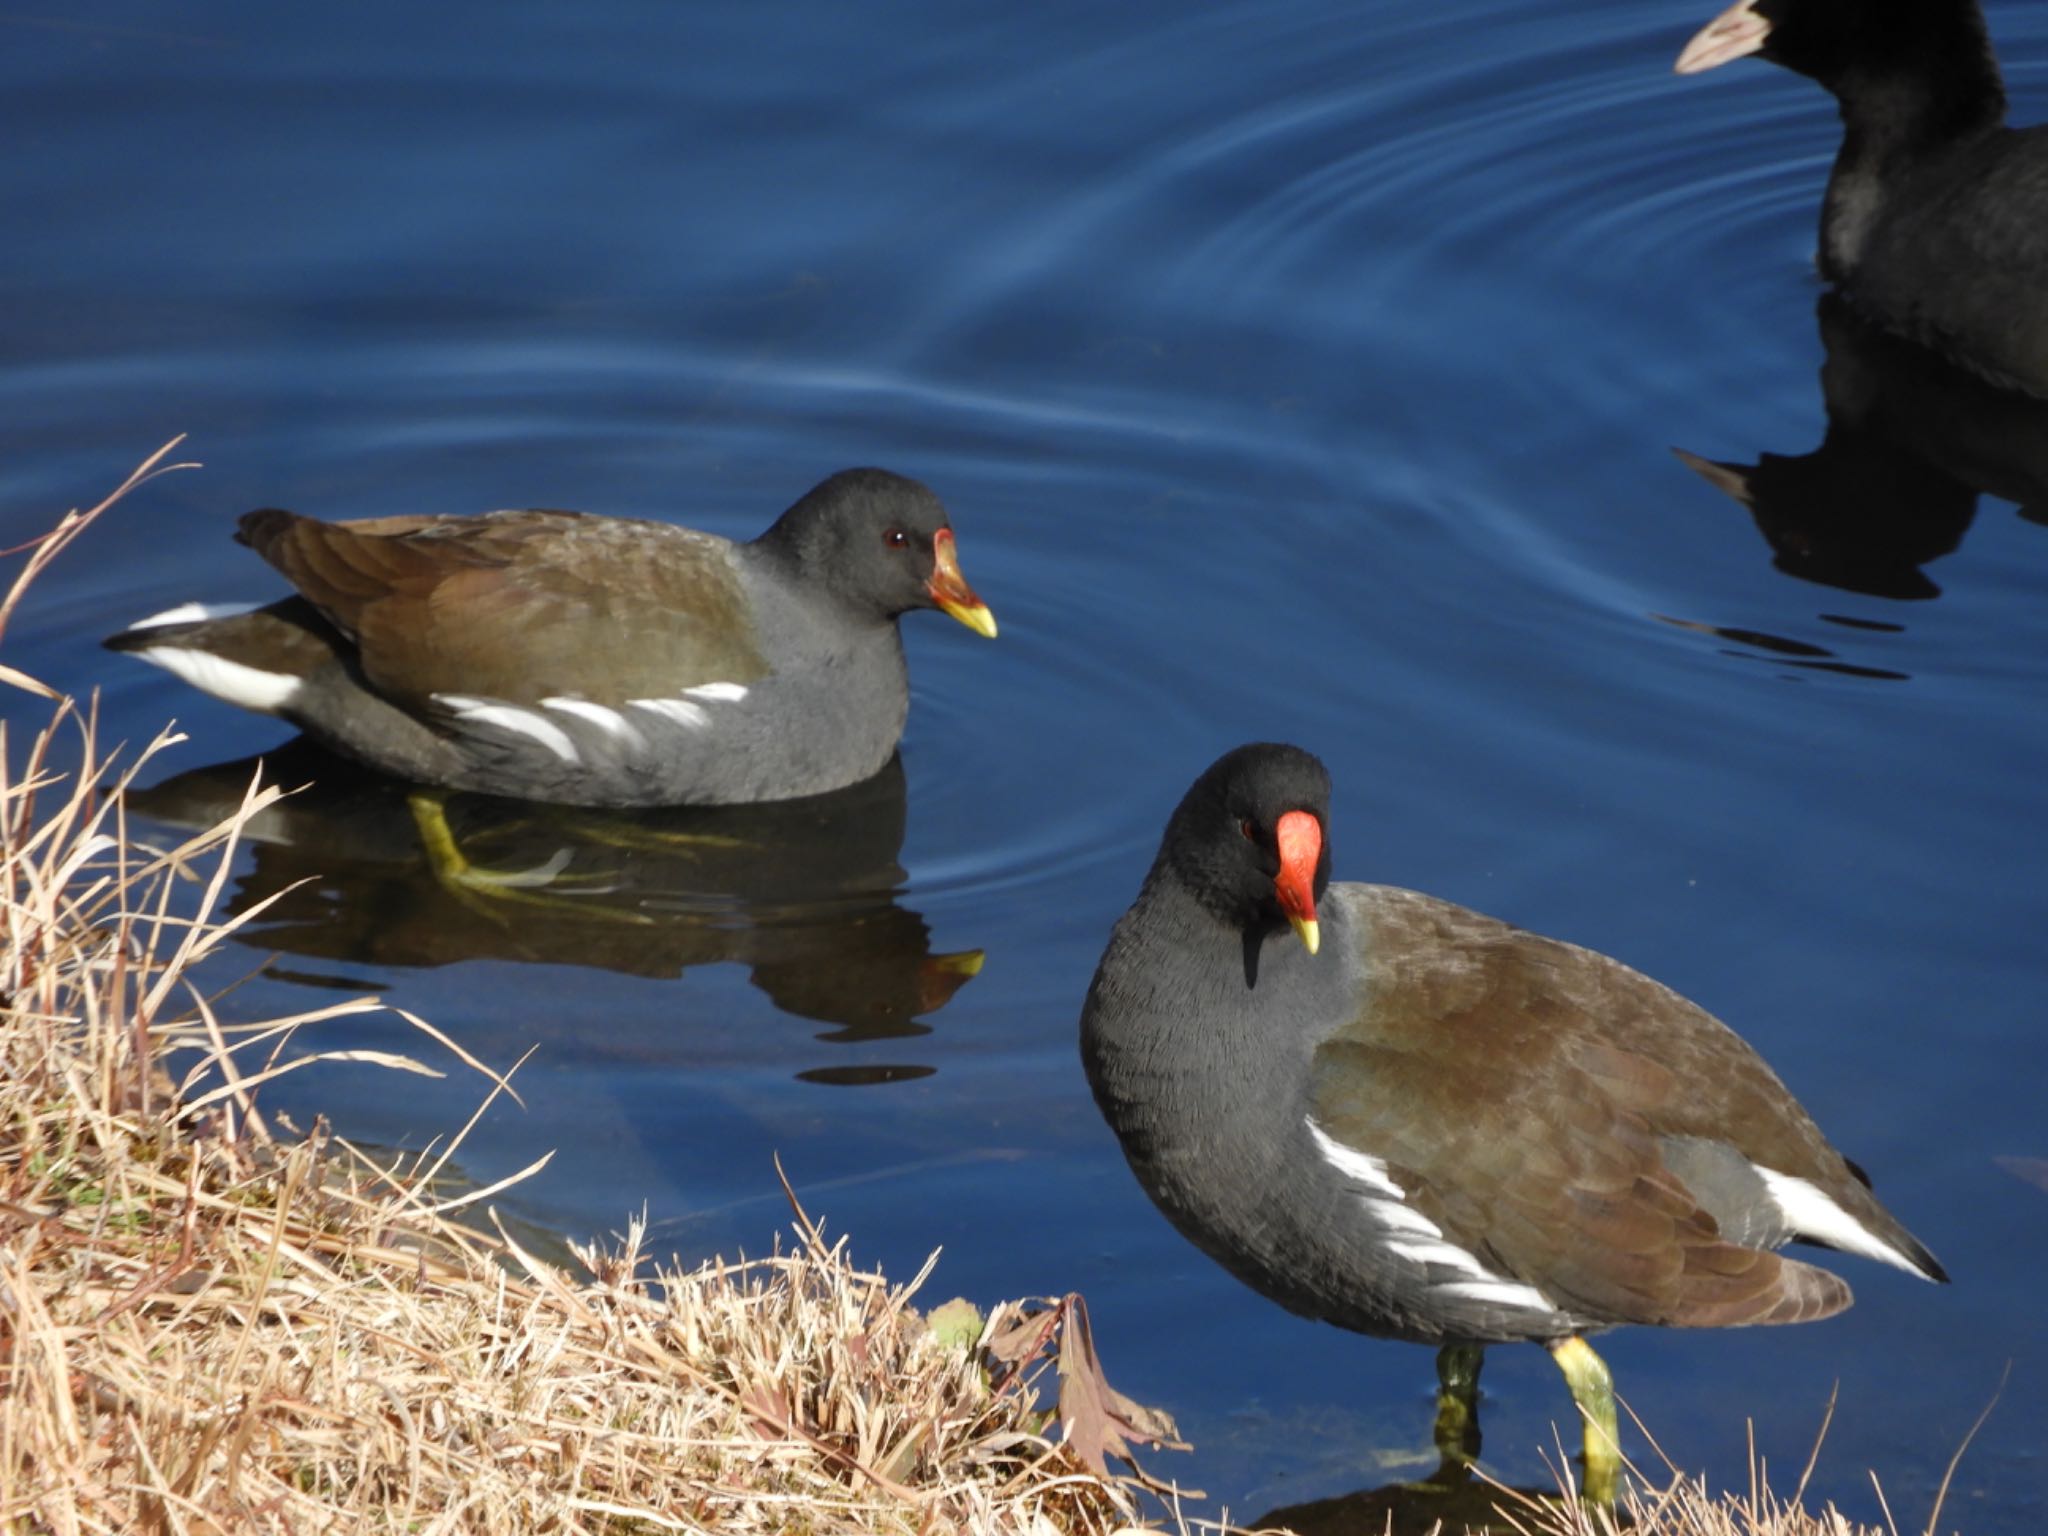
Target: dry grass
{"points": [[1671, 1503], [209, 1326]]}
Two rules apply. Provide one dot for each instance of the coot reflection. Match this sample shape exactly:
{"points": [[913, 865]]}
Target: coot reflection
{"points": [[1912, 441], [800, 891]]}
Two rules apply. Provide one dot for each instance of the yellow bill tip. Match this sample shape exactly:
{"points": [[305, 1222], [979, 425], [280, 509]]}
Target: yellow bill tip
{"points": [[1309, 931], [962, 963], [975, 616]]}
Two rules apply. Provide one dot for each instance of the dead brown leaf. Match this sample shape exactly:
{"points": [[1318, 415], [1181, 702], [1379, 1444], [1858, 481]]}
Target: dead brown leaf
{"points": [[1096, 1420]]}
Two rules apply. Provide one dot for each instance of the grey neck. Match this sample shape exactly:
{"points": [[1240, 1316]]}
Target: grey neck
{"points": [[1188, 987]]}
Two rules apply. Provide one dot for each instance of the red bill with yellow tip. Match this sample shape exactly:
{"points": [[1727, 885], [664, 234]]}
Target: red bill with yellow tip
{"points": [[950, 591], [1300, 839]]}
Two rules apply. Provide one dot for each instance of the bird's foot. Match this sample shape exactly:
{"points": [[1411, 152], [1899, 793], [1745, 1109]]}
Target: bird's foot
{"points": [[547, 885]]}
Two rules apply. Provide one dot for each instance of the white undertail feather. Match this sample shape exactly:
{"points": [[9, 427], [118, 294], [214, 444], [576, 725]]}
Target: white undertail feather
{"points": [[192, 613], [1812, 1214], [1415, 1237], [239, 684]]}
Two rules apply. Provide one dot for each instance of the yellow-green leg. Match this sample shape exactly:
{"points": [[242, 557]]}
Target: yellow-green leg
{"points": [[622, 832], [1593, 1390], [1457, 1410], [476, 886]]}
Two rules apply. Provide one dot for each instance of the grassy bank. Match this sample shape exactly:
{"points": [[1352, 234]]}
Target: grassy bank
{"points": [[211, 1322]]}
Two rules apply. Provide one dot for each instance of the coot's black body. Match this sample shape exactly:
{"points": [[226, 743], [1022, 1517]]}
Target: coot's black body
{"points": [[1935, 220]]}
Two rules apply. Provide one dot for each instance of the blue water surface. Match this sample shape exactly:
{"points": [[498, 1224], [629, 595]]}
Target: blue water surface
{"points": [[1293, 369]]}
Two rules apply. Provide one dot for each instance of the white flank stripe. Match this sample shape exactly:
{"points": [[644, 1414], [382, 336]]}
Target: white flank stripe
{"points": [[249, 687], [510, 717], [717, 693], [1354, 1164], [1416, 1238], [1438, 1251], [1506, 1293], [682, 711], [1813, 1215], [606, 719], [192, 613]]}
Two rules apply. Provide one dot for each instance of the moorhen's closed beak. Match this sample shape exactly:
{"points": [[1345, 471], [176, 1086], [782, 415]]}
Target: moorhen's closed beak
{"points": [[1300, 837], [950, 591]]}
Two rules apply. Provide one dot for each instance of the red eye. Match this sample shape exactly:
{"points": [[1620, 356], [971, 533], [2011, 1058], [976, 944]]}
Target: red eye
{"points": [[896, 538], [1250, 831]]}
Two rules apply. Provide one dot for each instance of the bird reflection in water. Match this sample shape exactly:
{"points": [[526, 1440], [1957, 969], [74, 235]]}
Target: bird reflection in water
{"points": [[802, 892], [1414, 1509], [1911, 443], [1457, 1496]]}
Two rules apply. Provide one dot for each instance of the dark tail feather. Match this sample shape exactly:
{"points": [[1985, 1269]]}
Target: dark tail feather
{"points": [[261, 528], [287, 638]]}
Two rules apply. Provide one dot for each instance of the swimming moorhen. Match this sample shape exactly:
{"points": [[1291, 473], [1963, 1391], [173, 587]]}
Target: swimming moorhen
{"points": [[590, 660]]}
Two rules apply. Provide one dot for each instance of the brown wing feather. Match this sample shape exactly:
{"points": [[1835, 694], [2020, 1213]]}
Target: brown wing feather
{"points": [[521, 606], [1483, 1072]]}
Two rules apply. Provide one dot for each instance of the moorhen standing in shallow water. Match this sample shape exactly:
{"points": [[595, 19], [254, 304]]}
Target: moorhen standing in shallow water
{"points": [[589, 660], [1936, 217], [1424, 1124]]}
